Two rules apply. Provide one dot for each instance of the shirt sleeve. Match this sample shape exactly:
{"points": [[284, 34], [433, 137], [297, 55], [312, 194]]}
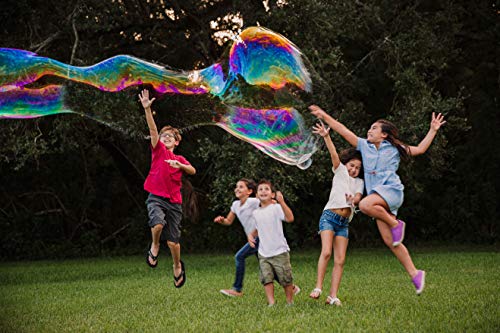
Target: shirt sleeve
{"points": [[340, 168], [253, 221], [233, 207], [362, 144], [183, 160], [360, 186], [279, 212]]}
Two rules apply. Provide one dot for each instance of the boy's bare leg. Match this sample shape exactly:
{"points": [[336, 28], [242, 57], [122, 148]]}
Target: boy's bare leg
{"points": [[155, 241], [269, 288], [175, 250], [289, 293]]}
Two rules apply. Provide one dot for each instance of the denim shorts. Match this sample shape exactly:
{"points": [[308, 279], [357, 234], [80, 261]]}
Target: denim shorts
{"points": [[334, 222]]}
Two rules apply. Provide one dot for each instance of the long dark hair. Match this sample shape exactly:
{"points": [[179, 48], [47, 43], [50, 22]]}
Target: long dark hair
{"points": [[189, 200], [250, 183], [351, 154], [393, 137]]}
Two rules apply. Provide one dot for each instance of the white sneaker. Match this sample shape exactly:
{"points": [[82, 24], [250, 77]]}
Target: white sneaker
{"points": [[231, 293]]}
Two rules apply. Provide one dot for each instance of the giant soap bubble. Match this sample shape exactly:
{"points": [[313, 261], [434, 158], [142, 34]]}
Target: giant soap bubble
{"points": [[259, 86]]}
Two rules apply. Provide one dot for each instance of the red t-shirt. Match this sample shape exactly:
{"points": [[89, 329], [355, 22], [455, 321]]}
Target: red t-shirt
{"points": [[164, 180]]}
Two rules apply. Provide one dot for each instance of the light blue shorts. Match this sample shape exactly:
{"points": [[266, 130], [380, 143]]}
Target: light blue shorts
{"points": [[334, 222]]}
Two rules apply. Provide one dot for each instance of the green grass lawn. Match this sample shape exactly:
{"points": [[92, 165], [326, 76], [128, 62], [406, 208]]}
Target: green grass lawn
{"points": [[123, 294]]}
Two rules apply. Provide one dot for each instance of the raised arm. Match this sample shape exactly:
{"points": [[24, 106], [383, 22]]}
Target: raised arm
{"points": [[325, 133], [146, 104], [288, 212], [436, 123], [228, 220], [335, 125]]}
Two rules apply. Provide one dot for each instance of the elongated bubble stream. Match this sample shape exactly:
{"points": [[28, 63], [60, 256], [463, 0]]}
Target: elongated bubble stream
{"points": [[260, 90]]}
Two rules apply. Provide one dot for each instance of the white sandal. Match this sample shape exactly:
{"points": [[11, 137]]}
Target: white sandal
{"points": [[333, 301], [316, 290]]}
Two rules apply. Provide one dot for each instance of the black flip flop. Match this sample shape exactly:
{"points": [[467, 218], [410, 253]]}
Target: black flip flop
{"points": [[181, 276], [150, 255]]}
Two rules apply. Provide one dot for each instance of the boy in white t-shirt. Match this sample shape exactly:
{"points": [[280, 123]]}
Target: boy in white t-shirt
{"points": [[347, 190], [274, 259], [242, 209]]}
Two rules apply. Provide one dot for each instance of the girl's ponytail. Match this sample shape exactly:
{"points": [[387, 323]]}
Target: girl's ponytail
{"points": [[393, 137]]}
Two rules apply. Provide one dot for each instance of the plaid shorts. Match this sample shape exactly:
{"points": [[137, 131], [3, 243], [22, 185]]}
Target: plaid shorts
{"points": [[278, 267]]}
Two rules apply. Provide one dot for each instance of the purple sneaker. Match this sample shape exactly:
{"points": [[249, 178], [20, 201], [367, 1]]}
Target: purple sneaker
{"points": [[398, 233], [419, 281]]}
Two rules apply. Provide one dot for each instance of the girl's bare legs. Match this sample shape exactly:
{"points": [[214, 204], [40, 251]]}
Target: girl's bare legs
{"points": [[375, 206], [324, 257], [339, 251], [400, 251], [269, 289], [289, 293]]}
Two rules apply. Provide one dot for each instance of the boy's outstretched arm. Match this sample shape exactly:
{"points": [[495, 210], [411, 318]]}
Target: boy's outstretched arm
{"points": [[335, 125], [436, 123], [228, 220], [146, 104], [288, 212], [325, 133], [187, 168]]}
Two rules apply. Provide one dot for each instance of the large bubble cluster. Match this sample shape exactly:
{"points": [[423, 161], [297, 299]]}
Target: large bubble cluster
{"points": [[259, 85]]}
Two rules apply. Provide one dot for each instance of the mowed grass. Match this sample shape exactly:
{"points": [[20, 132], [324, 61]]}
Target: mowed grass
{"points": [[123, 294]]}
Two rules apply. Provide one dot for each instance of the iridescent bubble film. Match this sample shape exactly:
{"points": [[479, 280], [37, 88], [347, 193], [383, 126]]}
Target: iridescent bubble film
{"points": [[260, 89]]}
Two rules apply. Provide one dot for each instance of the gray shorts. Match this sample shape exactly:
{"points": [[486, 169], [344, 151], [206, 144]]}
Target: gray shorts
{"points": [[278, 267], [169, 215]]}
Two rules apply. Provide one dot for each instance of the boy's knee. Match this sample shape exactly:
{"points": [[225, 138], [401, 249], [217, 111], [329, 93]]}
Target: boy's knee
{"points": [[157, 227], [172, 244], [238, 257]]}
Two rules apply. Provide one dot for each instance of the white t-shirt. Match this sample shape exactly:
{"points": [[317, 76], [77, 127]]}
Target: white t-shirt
{"points": [[244, 213], [268, 222], [342, 183]]}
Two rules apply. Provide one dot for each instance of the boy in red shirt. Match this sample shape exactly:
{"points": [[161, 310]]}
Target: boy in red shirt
{"points": [[163, 183]]}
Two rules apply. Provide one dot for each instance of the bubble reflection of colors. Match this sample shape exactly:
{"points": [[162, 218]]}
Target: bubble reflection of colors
{"points": [[31, 103], [264, 73], [280, 133]]}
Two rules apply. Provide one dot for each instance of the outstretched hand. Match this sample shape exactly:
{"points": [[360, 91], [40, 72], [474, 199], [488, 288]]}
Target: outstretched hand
{"points": [[219, 219], [437, 121], [319, 128], [317, 111], [279, 197], [144, 99]]}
